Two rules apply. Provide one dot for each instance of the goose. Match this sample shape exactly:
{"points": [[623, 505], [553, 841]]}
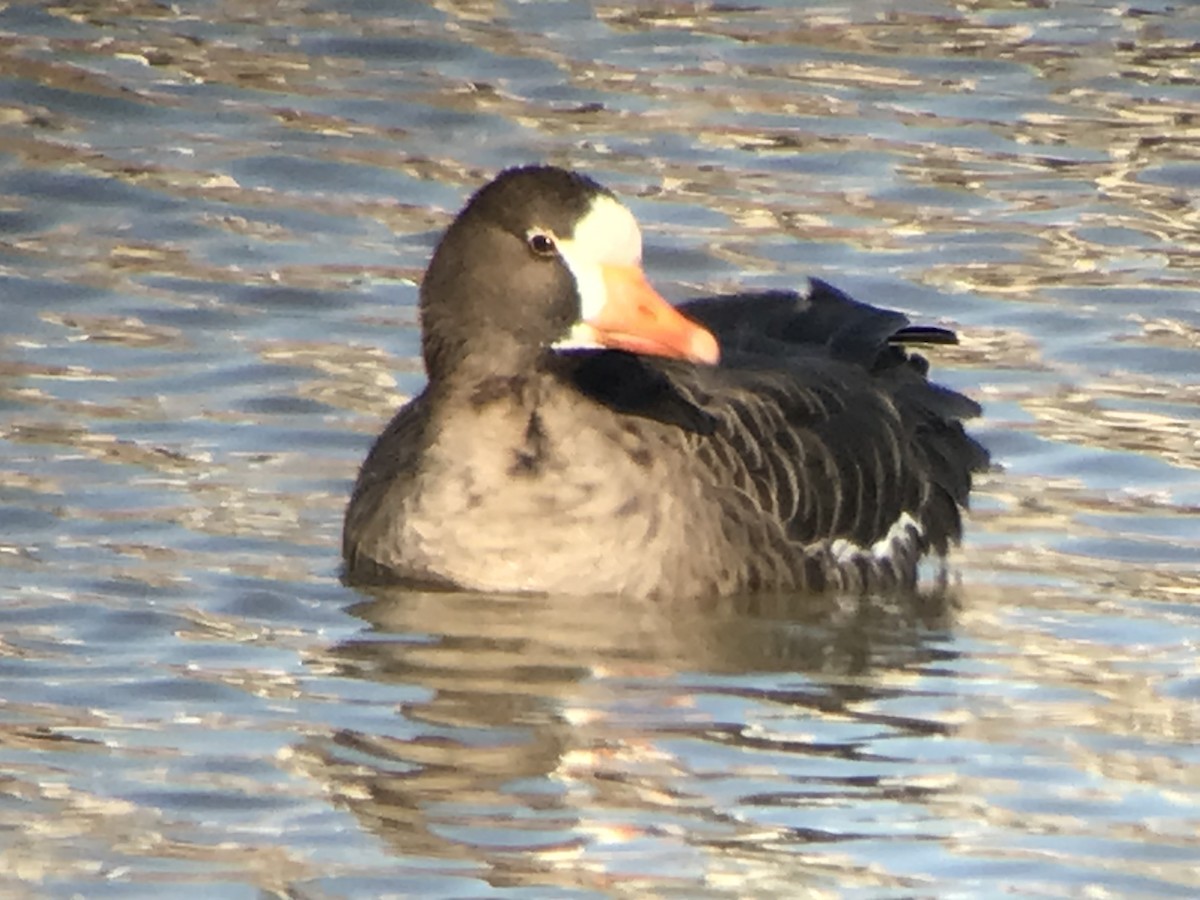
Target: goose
{"points": [[578, 434]]}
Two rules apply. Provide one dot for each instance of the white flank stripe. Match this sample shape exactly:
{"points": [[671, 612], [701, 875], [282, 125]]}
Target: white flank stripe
{"points": [[901, 536]]}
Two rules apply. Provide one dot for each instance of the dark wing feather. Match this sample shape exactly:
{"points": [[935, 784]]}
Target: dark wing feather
{"points": [[818, 419], [628, 384], [827, 422], [821, 454], [852, 331]]}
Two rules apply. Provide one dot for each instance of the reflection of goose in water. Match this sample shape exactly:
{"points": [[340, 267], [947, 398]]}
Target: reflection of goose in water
{"points": [[556, 741], [815, 454]]}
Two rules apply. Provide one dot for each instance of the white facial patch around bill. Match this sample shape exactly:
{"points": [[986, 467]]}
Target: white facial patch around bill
{"points": [[608, 234]]}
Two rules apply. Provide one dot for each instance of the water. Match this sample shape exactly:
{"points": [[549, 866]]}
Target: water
{"points": [[212, 221]]}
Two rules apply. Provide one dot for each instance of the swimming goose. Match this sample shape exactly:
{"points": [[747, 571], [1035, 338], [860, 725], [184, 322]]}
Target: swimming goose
{"points": [[579, 435]]}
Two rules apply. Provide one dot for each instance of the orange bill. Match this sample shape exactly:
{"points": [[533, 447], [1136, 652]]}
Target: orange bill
{"points": [[635, 317]]}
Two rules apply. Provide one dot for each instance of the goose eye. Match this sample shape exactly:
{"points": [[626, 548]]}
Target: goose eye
{"points": [[541, 244]]}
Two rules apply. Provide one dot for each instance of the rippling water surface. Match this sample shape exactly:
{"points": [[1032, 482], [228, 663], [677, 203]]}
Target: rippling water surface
{"points": [[212, 220]]}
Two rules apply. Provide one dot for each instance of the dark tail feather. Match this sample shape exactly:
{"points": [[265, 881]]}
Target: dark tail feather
{"points": [[924, 334]]}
